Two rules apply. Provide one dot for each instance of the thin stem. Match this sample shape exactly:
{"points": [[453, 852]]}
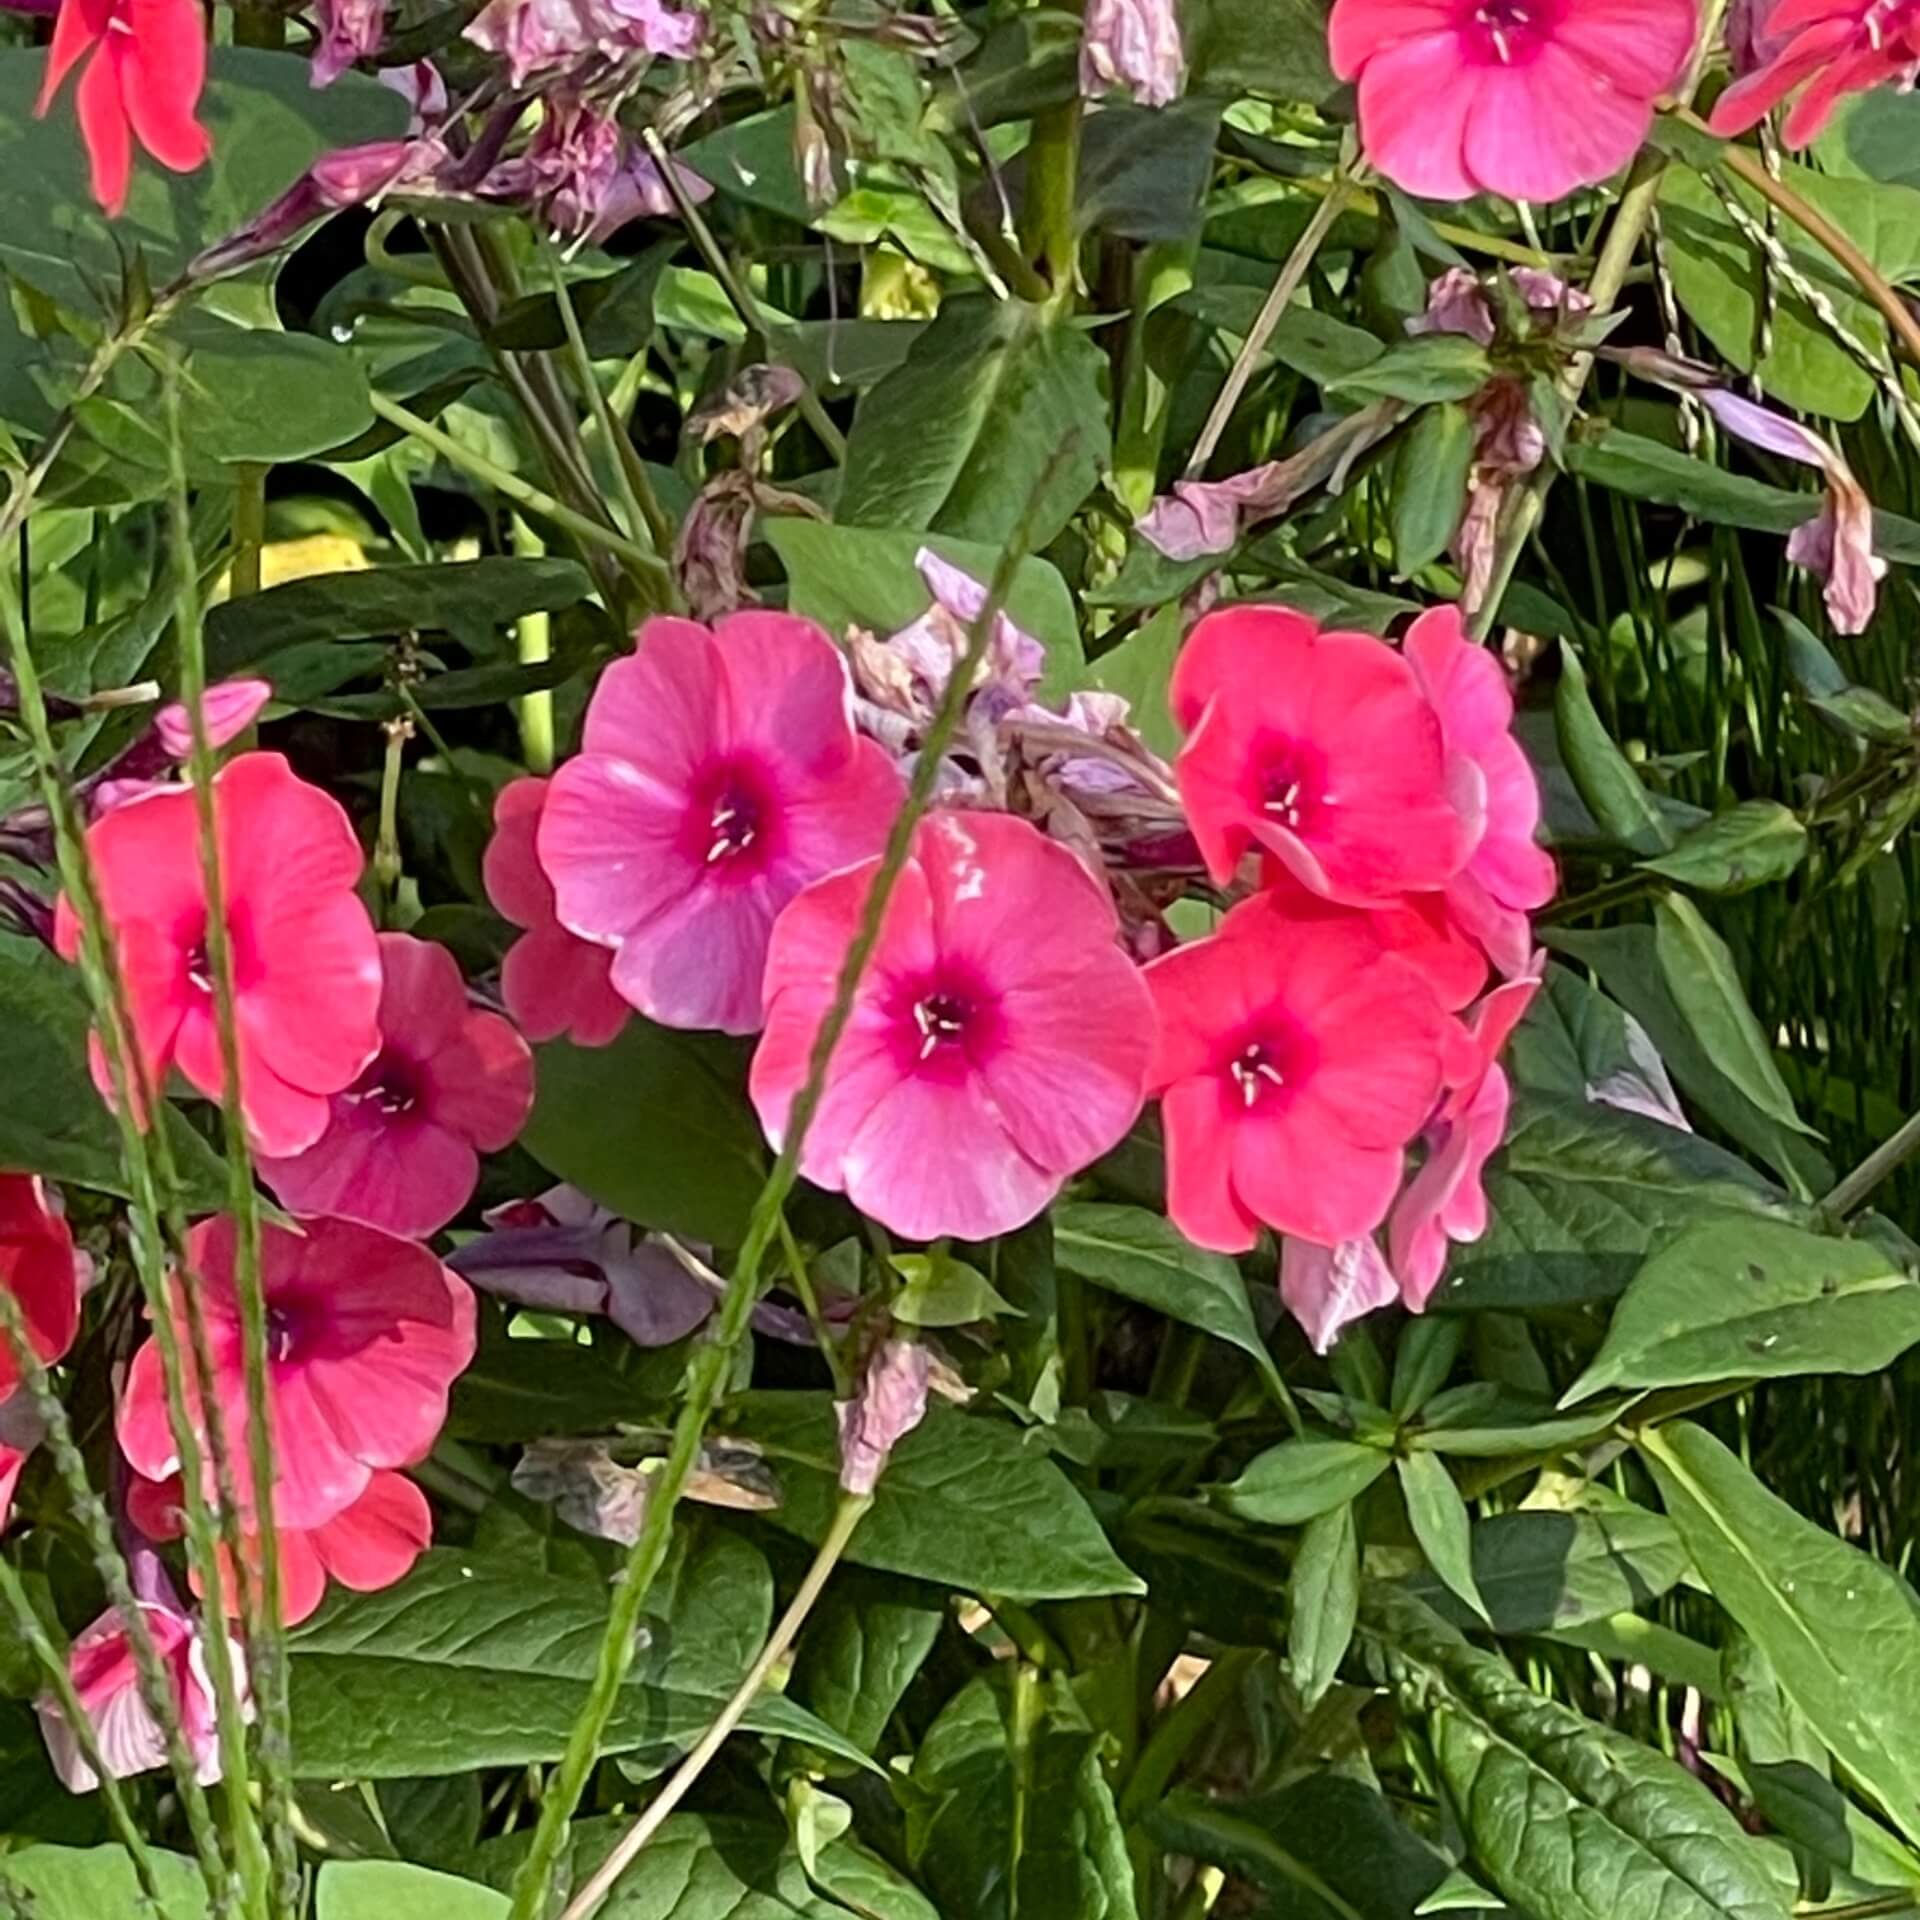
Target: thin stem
{"points": [[714, 1361], [802, 1282], [847, 1517], [533, 636], [1178, 1728], [1279, 297], [1851, 1192], [1050, 234], [513, 488], [387, 860], [249, 527], [741, 296]]}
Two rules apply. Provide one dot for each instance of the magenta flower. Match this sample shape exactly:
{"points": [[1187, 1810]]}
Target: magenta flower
{"points": [[1508, 875], [1132, 45], [350, 30], [891, 1402], [1327, 1288], [1826, 49], [366, 1336], [306, 962], [553, 983], [228, 711], [130, 1741], [403, 1143], [1526, 98], [998, 1042], [1296, 1059], [1319, 749], [721, 774], [1445, 1200]]}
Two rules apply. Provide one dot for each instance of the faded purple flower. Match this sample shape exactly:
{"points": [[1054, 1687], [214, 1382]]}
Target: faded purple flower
{"points": [[1642, 1085], [1326, 1288], [588, 178], [350, 30], [1132, 46], [422, 88], [1456, 303], [892, 1401], [229, 709], [533, 35]]}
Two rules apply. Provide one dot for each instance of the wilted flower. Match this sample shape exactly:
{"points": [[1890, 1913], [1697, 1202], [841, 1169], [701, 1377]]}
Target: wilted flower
{"points": [[229, 709], [147, 67], [1327, 1288], [402, 1146], [1132, 45], [891, 1402], [998, 1041], [306, 962], [721, 773], [535, 34], [350, 30]]}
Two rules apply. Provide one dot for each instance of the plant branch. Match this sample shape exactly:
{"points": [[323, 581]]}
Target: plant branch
{"points": [[847, 1517], [1891, 1154]]}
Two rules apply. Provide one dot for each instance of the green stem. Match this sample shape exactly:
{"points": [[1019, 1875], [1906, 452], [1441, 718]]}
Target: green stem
{"points": [[802, 1282], [847, 1517], [1891, 1154], [1049, 233], [711, 1366], [388, 863], [534, 635], [249, 527], [510, 486], [1177, 1730]]}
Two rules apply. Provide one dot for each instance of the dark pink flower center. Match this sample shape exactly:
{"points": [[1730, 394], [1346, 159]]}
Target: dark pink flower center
{"points": [[945, 1023], [1265, 1064], [391, 1084], [1289, 783], [732, 820], [1508, 33], [286, 1328]]}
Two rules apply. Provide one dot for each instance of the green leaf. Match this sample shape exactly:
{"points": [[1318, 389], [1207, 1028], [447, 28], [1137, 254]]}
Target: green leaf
{"points": [[97, 1883], [1755, 1298], [1422, 1361], [1604, 776], [1564, 1817], [1143, 170], [1323, 1600], [865, 577], [379, 1889], [53, 1121], [519, 1389], [1855, 710], [655, 1127], [1140, 669], [1301, 1479], [1750, 845], [1539, 1571], [1841, 1630], [867, 1639], [1705, 984], [1025, 62], [993, 398], [1580, 1194], [965, 1501], [432, 1822], [1147, 1258], [1876, 135], [1429, 491], [482, 1659], [268, 124], [941, 1291], [1420, 368], [1440, 1523], [1320, 345], [471, 599], [867, 1885], [1273, 47]]}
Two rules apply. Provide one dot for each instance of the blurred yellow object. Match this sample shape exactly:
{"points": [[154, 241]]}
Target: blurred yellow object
{"points": [[307, 558]]}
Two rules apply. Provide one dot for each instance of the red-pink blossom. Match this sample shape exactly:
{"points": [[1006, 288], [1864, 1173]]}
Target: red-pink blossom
{"points": [[143, 81], [366, 1335], [451, 1082], [1508, 875], [1296, 1059], [553, 982], [228, 710], [721, 773], [46, 1276], [1825, 49], [1525, 98], [1445, 1200], [305, 959], [128, 1738], [998, 1041], [1320, 749]]}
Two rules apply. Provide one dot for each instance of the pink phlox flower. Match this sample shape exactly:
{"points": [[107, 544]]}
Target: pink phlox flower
{"points": [[1133, 46], [1320, 749], [229, 709], [350, 30], [998, 1042], [366, 1335], [47, 1277], [553, 982], [1296, 1059], [721, 773], [1525, 98], [129, 1740], [1327, 1288], [891, 1402], [564, 1253], [1825, 49], [306, 961], [1445, 1201], [1837, 543], [146, 63], [1508, 874], [403, 1143]]}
